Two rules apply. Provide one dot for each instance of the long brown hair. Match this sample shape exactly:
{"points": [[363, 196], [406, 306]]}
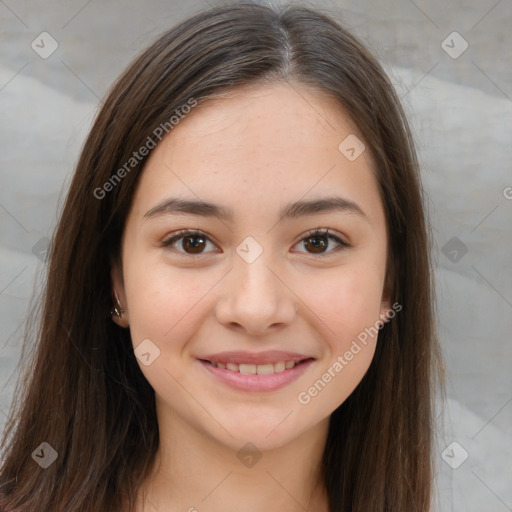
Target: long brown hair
{"points": [[83, 392]]}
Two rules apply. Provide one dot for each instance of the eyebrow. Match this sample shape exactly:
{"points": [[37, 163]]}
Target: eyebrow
{"points": [[177, 206]]}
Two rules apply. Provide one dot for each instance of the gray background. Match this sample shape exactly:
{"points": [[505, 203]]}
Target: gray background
{"points": [[461, 112]]}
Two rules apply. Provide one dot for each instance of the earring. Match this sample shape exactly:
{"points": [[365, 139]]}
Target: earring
{"points": [[115, 310]]}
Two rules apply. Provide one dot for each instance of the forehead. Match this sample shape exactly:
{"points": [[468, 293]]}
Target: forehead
{"points": [[257, 145], [263, 119]]}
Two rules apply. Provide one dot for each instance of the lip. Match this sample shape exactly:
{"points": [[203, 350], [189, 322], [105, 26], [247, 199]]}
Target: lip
{"points": [[269, 356], [256, 383]]}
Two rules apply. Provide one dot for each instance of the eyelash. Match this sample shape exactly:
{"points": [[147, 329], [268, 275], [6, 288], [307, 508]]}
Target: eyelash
{"points": [[167, 243]]}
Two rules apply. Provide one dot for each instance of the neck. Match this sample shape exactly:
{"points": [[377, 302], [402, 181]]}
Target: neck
{"points": [[193, 472]]}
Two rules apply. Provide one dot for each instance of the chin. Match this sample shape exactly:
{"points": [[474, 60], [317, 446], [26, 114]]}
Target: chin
{"points": [[264, 435]]}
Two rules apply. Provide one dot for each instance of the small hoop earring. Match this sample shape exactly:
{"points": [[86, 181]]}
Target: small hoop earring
{"points": [[115, 310]]}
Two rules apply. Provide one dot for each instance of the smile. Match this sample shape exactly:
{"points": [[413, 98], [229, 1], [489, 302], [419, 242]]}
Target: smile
{"points": [[256, 369], [252, 377]]}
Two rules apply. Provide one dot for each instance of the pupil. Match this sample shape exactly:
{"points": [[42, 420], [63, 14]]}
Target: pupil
{"points": [[194, 246], [321, 244]]}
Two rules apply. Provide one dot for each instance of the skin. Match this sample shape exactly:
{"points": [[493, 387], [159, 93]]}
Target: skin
{"points": [[252, 150]]}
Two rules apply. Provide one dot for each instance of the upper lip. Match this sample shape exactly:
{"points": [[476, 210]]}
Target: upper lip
{"points": [[240, 357]]}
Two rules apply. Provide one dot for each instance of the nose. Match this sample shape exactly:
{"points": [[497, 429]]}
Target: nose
{"points": [[255, 298]]}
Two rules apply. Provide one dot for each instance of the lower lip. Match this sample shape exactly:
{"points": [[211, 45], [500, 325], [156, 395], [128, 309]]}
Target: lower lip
{"points": [[256, 382]]}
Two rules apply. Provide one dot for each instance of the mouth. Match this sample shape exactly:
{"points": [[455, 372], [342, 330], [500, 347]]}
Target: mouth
{"points": [[267, 371], [257, 369]]}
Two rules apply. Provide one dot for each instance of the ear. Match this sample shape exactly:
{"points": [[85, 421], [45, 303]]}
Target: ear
{"points": [[118, 289], [385, 303]]}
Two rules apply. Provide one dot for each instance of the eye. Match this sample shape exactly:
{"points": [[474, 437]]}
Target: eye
{"points": [[192, 242], [318, 240]]}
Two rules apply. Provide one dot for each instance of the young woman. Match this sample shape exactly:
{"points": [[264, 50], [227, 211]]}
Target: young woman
{"points": [[239, 306]]}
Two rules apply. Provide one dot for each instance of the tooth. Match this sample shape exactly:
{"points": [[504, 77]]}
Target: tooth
{"points": [[253, 369], [248, 369], [279, 367], [265, 369]]}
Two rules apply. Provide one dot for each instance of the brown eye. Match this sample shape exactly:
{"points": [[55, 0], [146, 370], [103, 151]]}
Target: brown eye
{"points": [[317, 242], [192, 242]]}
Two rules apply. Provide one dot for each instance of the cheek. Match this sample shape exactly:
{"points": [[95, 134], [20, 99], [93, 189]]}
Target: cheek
{"points": [[349, 307], [347, 301], [163, 309], [164, 303]]}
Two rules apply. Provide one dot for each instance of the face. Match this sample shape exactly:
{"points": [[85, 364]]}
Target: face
{"points": [[247, 327]]}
